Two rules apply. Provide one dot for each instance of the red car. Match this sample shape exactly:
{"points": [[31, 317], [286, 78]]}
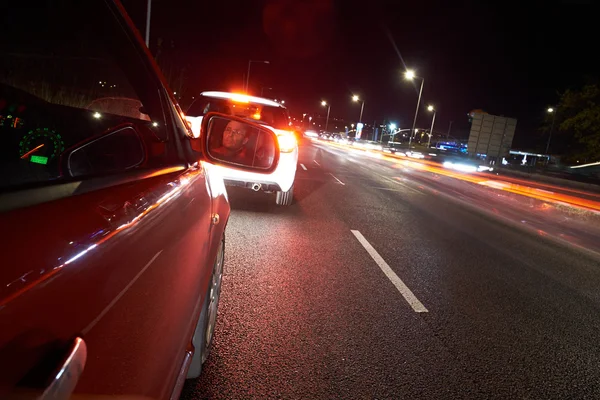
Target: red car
{"points": [[112, 219]]}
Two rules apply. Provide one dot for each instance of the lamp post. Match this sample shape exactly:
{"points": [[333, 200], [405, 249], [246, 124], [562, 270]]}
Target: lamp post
{"points": [[248, 74], [392, 134], [355, 98], [324, 103], [431, 108], [410, 75], [553, 112], [148, 23]]}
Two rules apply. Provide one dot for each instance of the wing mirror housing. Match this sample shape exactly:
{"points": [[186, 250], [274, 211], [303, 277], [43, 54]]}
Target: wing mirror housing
{"points": [[120, 149]]}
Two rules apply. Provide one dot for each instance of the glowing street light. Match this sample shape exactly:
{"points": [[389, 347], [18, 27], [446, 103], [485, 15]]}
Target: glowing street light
{"points": [[552, 111], [356, 99], [431, 108], [324, 104], [392, 127], [410, 75]]}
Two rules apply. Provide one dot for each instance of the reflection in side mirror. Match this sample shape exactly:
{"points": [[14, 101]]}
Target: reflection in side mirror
{"points": [[115, 151], [240, 143]]}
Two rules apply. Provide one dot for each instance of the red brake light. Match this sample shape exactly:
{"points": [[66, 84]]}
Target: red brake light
{"points": [[287, 141]]}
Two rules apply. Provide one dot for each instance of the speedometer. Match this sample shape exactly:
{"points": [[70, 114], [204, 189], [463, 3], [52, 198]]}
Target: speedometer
{"points": [[41, 145]]}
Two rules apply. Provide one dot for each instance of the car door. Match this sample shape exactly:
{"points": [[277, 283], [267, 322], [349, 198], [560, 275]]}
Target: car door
{"points": [[108, 225]]}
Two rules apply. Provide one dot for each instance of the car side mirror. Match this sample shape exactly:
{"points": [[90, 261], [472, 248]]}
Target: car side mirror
{"points": [[118, 150], [238, 143]]}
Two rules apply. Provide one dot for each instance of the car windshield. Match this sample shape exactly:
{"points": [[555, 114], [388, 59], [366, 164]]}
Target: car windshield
{"points": [[276, 117]]}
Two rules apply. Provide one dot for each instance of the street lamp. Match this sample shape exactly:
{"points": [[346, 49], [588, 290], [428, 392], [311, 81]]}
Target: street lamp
{"points": [[410, 75], [324, 103], [431, 108], [148, 9], [248, 75], [553, 112], [355, 98], [392, 134]]}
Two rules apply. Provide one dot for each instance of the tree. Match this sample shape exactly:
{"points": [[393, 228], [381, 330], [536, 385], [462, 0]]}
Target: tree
{"points": [[579, 116]]}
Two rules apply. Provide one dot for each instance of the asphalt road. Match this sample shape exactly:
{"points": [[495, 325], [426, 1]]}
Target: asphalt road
{"points": [[385, 282]]}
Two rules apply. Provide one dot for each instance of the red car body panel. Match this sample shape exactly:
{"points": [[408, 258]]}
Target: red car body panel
{"points": [[125, 267]]}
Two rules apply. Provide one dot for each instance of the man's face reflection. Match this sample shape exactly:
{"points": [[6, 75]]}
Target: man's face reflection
{"points": [[235, 136]]}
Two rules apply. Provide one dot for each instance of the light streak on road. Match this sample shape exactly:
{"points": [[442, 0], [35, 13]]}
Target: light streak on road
{"points": [[521, 187]]}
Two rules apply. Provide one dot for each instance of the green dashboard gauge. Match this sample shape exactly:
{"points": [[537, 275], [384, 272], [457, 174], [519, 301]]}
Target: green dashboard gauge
{"points": [[41, 145]]}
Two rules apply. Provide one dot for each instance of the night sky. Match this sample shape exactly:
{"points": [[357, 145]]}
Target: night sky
{"points": [[506, 59]]}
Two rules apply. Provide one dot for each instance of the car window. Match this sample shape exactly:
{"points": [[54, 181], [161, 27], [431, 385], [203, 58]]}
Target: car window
{"points": [[64, 80], [276, 117]]}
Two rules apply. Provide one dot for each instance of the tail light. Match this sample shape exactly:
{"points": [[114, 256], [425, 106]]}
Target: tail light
{"points": [[287, 141]]}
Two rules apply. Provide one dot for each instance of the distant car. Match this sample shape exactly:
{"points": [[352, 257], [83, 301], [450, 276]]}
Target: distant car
{"points": [[394, 147], [465, 164], [263, 111], [368, 144], [113, 220], [372, 145], [415, 154]]}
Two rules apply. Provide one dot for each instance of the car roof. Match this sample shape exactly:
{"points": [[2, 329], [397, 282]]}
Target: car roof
{"points": [[242, 98]]}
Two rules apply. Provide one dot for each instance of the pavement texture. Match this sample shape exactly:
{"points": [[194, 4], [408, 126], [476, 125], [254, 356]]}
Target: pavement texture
{"points": [[510, 284]]}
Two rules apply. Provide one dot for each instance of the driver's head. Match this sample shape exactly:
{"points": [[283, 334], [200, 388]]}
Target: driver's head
{"points": [[235, 136]]}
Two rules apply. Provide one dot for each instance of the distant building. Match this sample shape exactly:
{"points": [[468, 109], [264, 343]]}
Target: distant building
{"points": [[491, 136]]}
